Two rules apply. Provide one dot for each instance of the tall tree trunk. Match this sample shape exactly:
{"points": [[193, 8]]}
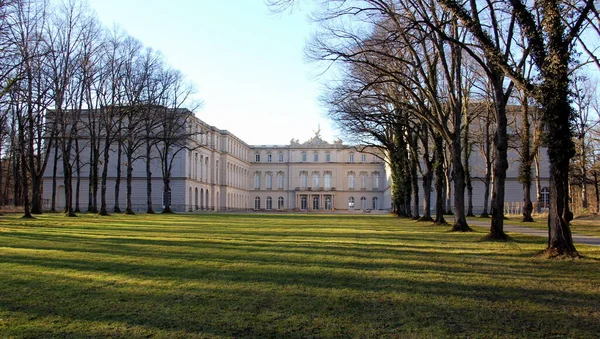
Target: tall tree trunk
{"points": [[500, 160], [439, 180], [557, 118], [538, 183], [166, 184], [93, 177], [596, 191], [78, 170], [18, 174], [54, 172], [117, 208], [526, 161], [68, 182], [149, 210], [24, 181], [414, 188], [460, 220], [427, 175], [128, 204], [103, 209], [448, 187], [488, 168]]}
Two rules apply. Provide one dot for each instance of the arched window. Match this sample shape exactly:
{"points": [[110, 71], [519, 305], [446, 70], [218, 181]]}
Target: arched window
{"points": [[256, 181], [375, 203], [316, 179], [351, 182], [351, 203], [363, 181], [269, 181], [257, 203], [280, 181], [545, 197], [280, 203], [304, 203], [304, 180], [363, 203], [327, 180], [269, 203], [375, 181]]}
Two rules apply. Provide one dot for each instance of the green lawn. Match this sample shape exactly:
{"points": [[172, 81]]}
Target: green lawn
{"points": [[284, 276]]}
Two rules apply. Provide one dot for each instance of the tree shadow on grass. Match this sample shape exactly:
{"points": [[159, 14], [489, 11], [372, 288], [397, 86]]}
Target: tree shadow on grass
{"points": [[264, 301]]}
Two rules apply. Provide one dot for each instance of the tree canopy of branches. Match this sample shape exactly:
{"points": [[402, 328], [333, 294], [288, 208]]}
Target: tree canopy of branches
{"points": [[69, 84], [501, 38]]}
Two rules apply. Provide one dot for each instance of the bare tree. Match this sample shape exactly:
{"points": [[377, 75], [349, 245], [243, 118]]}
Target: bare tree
{"points": [[175, 134], [586, 119]]}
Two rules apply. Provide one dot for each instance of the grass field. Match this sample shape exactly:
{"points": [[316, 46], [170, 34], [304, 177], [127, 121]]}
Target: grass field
{"points": [[212, 275]]}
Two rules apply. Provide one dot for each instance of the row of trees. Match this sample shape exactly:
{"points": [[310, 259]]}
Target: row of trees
{"points": [[67, 84], [420, 76]]}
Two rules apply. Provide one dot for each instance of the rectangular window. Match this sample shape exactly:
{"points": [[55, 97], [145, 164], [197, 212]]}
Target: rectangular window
{"points": [[280, 157], [303, 156], [316, 157], [351, 157], [363, 158], [257, 158], [268, 158], [327, 157]]}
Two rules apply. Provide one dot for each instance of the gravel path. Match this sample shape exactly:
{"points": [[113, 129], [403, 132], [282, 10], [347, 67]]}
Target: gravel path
{"points": [[582, 239]]}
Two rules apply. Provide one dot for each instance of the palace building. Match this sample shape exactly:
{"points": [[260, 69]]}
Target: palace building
{"points": [[226, 174]]}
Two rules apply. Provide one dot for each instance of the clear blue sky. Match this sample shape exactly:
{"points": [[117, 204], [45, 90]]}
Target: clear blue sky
{"points": [[247, 63]]}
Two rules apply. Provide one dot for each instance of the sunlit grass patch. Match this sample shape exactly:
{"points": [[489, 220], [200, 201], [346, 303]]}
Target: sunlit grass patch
{"points": [[224, 275]]}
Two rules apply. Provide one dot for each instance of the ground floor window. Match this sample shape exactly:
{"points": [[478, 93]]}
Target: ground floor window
{"points": [[328, 202], [257, 203], [363, 203], [269, 203], [315, 202], [545, 197], [280, 203], [375, 203], [304, 203], [351, 203]]}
